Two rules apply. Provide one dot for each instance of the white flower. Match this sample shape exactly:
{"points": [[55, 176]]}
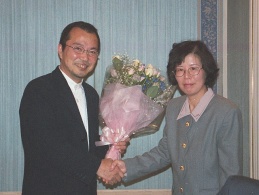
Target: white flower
{"points": [[117, 56], [150, 66], [131, 71], [141, 67], [156, 72], [156, 84], [149, 70], [113, 72], [136, 63]]}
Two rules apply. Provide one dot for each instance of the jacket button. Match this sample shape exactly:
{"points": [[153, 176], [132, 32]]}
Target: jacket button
{"points": [[184, 145], [181, 190], [187, 124], [182, 168]]}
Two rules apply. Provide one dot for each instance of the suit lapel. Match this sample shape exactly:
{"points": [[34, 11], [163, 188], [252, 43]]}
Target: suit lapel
{"points": [[90, 110], [67, 96]]}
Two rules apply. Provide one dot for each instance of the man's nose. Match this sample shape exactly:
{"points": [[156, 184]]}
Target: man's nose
{"points": [[84, 55]]}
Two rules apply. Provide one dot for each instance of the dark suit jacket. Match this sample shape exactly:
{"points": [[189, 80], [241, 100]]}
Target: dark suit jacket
{"points": [[57, 159], [240, 185]]}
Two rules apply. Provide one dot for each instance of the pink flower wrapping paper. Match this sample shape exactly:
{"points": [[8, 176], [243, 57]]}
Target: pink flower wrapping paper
{"points": [[125, 110], [133, 96]]}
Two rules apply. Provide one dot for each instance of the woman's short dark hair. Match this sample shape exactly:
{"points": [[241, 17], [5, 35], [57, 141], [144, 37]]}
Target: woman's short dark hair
{"points": [[65, 35], [180, 50]]}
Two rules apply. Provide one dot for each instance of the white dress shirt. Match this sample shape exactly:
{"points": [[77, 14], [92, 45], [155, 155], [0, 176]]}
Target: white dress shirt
{"points": [[79, 94]]}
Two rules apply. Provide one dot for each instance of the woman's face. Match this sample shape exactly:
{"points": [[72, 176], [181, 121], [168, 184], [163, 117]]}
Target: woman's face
{"points": [[192, 85]]}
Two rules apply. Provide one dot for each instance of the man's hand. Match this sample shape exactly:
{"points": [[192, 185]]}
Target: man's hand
{"points": [[122, 145], [119, 164], [109, 176]]}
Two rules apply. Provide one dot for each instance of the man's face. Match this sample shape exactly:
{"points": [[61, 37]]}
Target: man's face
{"points": [[78, 65]]}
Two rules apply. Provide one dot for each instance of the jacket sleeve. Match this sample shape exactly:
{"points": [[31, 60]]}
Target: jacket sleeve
{"points": [[230, 145], [149, 162], [51, 135]]}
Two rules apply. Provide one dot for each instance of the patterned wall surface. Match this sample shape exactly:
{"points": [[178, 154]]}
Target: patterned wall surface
{"points": [[208, 28], [209, 24]]}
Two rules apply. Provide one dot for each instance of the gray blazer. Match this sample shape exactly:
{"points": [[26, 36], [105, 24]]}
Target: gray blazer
{"points": [[202, 154]]}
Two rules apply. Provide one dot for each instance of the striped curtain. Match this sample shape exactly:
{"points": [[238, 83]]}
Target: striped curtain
{"points": [[29, 34]]}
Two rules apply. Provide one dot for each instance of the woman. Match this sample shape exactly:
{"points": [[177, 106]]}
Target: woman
{"points": [[203, 134]]}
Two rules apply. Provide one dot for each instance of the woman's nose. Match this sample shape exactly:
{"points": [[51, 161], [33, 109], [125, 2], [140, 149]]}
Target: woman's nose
{"points": [[186, 74]]}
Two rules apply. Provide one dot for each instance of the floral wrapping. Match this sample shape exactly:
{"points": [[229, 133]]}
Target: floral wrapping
{"points": [[133, 96]]}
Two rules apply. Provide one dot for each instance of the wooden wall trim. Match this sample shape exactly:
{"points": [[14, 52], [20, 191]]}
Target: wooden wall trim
{"points": [[254, 89], [117, 192]]}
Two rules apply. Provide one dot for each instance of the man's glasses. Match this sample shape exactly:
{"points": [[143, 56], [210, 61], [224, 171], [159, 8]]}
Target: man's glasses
{"points": [[81, 50], [179, 72]]}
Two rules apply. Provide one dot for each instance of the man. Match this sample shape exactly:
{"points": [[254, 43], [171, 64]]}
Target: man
{"points": [[59, 122]]}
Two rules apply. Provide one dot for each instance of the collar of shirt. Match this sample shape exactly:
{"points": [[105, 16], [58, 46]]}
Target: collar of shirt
{"points": [[81, 104], [72, 84], [199, 109]]}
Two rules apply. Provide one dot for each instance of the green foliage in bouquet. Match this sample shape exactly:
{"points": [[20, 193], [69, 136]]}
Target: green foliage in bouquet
{"points": [[133, 72]]}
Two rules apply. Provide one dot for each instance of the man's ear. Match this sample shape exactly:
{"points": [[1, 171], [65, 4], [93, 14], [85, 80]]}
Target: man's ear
{"points": [[60, 51]]}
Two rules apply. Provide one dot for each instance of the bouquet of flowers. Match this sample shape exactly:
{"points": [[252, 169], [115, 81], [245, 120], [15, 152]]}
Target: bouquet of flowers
{"points": [[134, 95]]}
